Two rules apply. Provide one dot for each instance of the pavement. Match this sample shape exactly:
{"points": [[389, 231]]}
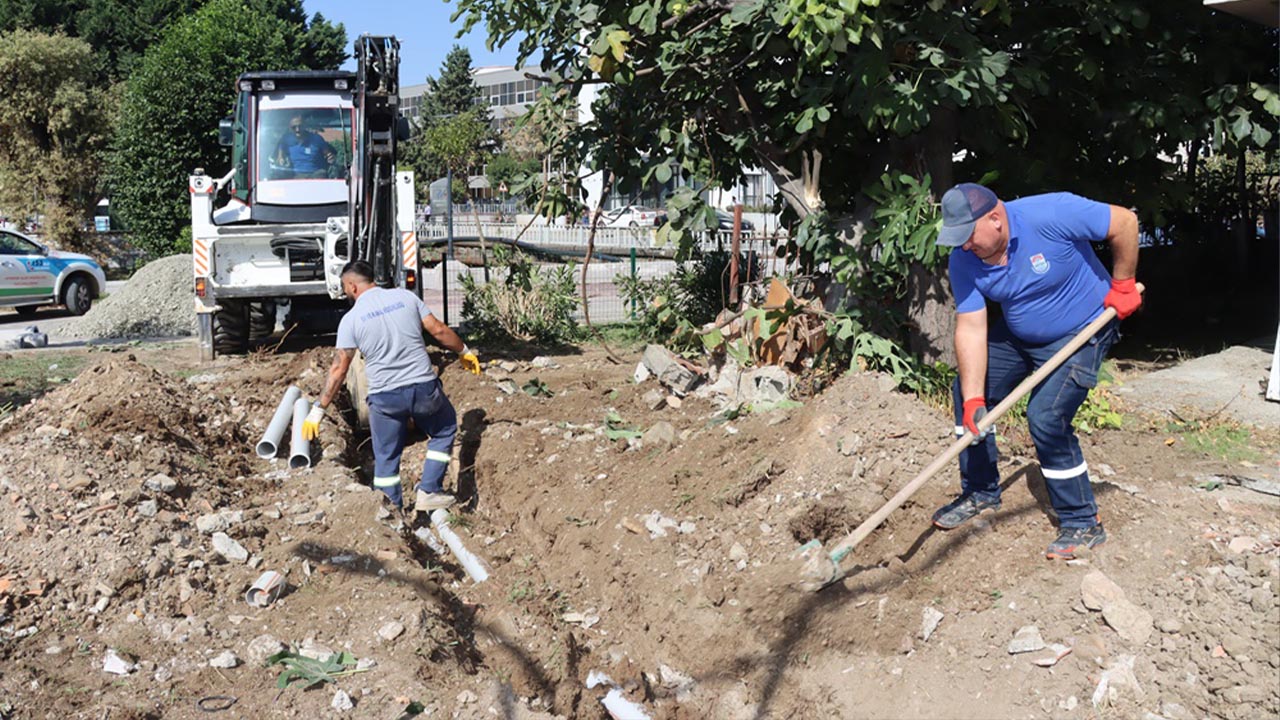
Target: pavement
{"points": [[53, 320], [1230, 384]]}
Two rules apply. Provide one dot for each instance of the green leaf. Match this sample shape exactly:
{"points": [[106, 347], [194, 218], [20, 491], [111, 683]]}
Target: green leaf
{"points": [[805, 123], [1241, 127], [1261, 135], [663, 173], [713, 340]]}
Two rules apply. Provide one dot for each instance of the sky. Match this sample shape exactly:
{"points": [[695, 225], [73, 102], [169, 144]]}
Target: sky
{"points": [[423, 28]]}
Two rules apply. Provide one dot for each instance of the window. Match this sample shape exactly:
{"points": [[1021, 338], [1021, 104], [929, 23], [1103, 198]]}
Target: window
{"points": [[304, 143], [11, 244]]}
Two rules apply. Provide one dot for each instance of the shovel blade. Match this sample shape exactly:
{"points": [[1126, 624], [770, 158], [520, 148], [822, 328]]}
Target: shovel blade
{"points": [[817, 569]]}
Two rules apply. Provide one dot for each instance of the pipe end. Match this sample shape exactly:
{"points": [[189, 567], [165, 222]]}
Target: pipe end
{"points": [[299, 462], [267, 450]]}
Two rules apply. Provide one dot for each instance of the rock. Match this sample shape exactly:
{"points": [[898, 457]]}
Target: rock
{"points": [[929, 622], [1235, 645], [661, 435], [641, 373], [674, 402], [738, 555], [261, 648], [217, 522], [508, 386], [850, 444], [658, 524], [1175, 711], [342, 702], [1242, 544], [1027, 639], [1057, 652], [225, 659], [390, 631], [309, 518], [655, 399], [229, 548], [542, 361], [1117, 680], [1097, 590], [1131, 622], [667, 368], [768, 384], [466, 697], [161, 483], [366, 663], [677, 682], [1170, 625], [116, 665], [1243, 694], [148, 508], [314, 650]]}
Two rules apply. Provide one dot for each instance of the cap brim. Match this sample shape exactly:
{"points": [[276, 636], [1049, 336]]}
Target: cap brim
{"points": [[956, 235]]}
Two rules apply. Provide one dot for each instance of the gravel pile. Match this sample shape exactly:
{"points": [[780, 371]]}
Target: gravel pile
{"points": [[156, 302]]}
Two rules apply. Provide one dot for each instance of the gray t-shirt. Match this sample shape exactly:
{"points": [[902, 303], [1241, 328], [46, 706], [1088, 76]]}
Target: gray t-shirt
{"points": [[386, 326]]}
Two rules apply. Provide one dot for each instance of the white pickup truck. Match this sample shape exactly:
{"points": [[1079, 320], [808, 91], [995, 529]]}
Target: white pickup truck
{"points": [[32, 275]]}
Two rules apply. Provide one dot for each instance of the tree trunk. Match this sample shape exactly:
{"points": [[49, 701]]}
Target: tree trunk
{"points": [[931, 316]]}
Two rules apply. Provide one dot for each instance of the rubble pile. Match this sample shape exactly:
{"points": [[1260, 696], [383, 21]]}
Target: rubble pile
{"points": [[156, 302]]}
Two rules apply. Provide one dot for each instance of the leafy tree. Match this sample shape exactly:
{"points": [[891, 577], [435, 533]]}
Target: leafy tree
{"points": [[828, 96], [448, 98], [170, 111], [505, 168], [54, 124]]}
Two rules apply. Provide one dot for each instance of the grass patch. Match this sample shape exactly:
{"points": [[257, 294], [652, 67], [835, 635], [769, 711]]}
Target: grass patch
{"points": [[25, 376], [1223, 440], [623, 336]]}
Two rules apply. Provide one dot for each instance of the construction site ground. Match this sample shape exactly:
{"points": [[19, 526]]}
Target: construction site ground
{"points": [[663, 564]]}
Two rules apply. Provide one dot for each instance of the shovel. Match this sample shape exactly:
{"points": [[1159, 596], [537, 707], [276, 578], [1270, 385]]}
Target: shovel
{"points": [[821, 568]]}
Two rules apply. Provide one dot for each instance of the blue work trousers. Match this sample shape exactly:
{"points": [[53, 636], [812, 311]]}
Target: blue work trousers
{"points": [[389, 414], [1051, 410]]}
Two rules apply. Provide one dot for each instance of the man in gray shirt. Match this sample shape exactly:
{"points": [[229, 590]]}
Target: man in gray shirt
{"points": [[386, 326]]}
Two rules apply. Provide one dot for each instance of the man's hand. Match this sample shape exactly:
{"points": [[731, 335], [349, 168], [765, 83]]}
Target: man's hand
{"points": [[470, 362], [1124, 297], [311, 426], [974, 410]]}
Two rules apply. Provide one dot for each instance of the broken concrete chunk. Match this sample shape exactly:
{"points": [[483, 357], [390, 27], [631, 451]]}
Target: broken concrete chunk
{"points": [[228, 548], [768, 384], [1130, 622], [929, 622], [1117, 680], [661, 435], [1027, 639], [641, 373], [390, 631], [1057, 652], [342, 702], [667, 368], [217, 522], [261, 648], [677, 682], [161, 483], [1098, 590], [226, 659], [116, 665], [655, 399], [1242, 544]]}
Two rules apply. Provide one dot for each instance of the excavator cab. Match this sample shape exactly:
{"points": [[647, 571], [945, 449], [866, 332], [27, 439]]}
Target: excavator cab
{"points": [[292, 142]]}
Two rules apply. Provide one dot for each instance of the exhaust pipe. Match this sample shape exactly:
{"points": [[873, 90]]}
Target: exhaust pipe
{"points": [[299, 449], [269, 445]]}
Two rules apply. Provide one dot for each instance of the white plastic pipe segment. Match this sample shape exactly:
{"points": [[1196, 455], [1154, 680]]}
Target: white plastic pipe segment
{"points": [[621, 708], [299, 449], [478, 569], [269, 445]]}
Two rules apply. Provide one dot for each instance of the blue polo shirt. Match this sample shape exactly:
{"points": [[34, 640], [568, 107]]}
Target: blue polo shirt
{"points": [[1053, 284], [306, 154]]}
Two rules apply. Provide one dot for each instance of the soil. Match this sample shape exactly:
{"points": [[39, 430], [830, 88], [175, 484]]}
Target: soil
{"points": [[664, 563]]}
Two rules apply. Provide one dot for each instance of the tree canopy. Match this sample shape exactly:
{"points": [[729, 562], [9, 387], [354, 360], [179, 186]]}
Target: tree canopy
{"points": [[54, 123], [857, 105], [171, 107], [449, 115]]}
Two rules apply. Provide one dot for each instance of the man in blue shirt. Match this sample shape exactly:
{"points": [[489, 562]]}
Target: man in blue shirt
{"points": [[303, 151], [1032, 257], [385, 325]]}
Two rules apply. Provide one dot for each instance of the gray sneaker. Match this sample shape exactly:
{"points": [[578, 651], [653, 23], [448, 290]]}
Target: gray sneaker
{"points": [[426, 502], [961, 510]]}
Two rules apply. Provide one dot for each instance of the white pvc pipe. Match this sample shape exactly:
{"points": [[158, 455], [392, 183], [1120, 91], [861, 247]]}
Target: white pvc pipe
{"points": [[621, 708], [477, 568], [269, 445], [299, 449], [425, 535]]}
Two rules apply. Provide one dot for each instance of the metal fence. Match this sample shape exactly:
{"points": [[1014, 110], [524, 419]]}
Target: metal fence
{"points": [[630, 252]]}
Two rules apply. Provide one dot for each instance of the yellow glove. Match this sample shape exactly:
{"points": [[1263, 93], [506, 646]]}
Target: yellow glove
{"points": [[311, 426], [470, 362]]}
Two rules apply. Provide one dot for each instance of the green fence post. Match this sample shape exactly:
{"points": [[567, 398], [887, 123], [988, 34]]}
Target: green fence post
{"points": [[633, 279]]}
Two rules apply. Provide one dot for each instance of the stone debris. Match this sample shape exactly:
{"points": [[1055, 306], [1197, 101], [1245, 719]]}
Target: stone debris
{"points": [[262, 647], [1130, 622], [218, 522], [156, 302], [1058, 651], [586, 619], [116, 665], [929, 622], [228, 548], [655, 399], [1027, 639], [665, 366], [466, 697], [342, 702], [658, 524], [1097, 590], [1243, 544], [738, 556], [1116, 681], [225, 659], [390, 631], [661, 435], [161, 483], [676, 682]]}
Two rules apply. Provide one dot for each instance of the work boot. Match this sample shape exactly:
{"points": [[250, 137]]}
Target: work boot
{"points": [[961, 510], [426, 502], [1072, 539]]}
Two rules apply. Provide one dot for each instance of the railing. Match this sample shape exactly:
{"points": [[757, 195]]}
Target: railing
{"points": [[642, 238]]}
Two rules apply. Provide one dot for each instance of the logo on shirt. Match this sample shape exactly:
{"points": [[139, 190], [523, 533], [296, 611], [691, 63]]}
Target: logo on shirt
{"points": [[1039, 264]]}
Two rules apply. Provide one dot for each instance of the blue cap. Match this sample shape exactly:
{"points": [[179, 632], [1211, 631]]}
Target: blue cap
{"points": [[962, 205]]}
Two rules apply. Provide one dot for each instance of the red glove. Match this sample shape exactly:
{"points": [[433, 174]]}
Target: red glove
{"points": [[975, 409], [1124, 297]]}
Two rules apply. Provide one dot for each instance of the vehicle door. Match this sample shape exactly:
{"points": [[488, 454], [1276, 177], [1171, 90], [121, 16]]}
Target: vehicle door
{"points": [[25, 273]]}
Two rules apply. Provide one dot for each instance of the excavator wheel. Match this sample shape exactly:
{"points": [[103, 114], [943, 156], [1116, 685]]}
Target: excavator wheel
{"points": [[231, 328], [262, 320], [358, 388]]}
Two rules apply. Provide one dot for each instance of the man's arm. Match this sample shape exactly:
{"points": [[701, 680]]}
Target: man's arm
{"points": [[443, 334], [971, 352], [1122, 236], [342, 358]]}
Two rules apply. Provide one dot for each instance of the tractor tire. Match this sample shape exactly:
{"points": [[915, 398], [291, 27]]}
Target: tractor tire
{"points": [[358, 388], [262, 320], [78, 296], [231, 328]]}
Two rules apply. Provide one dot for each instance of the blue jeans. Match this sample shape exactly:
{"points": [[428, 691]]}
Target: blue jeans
{"points": [[1052, 408], [389, 414]]}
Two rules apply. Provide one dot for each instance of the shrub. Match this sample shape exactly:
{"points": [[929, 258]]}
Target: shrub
{"points": [[529, 304]]}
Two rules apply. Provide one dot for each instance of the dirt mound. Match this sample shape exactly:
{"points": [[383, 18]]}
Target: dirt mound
{"points": [[156, 302], [650, 545]]}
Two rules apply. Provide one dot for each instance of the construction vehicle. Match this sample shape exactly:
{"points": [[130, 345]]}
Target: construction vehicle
{"points": [[313, 184]]}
